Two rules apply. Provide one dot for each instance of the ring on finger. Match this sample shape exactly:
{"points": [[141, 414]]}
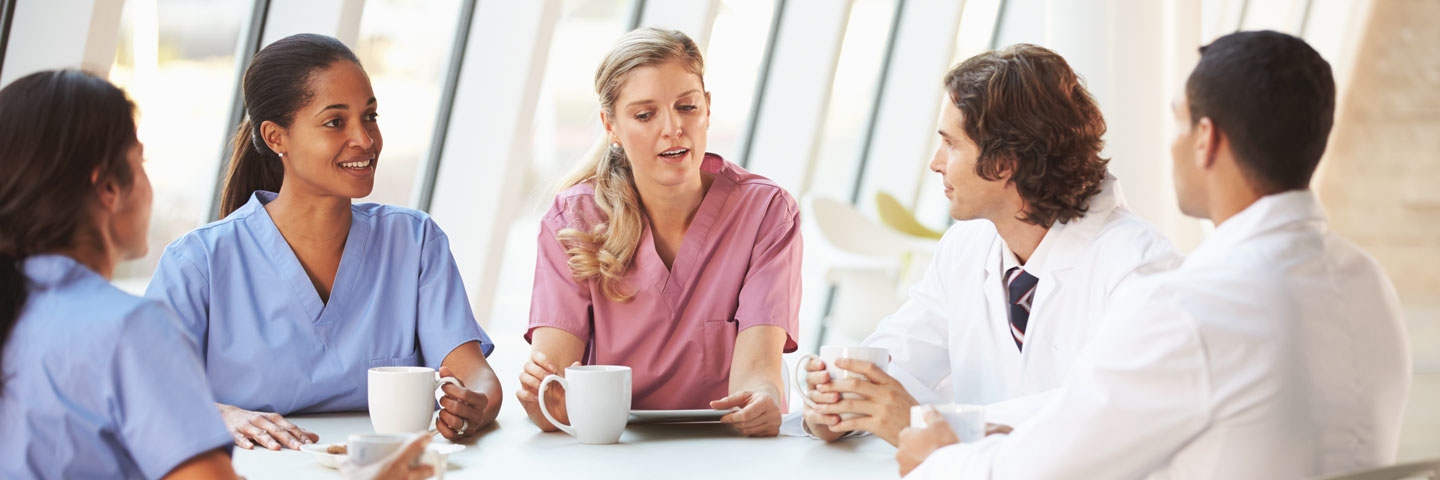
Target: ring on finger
{"points": [[464, 425]]}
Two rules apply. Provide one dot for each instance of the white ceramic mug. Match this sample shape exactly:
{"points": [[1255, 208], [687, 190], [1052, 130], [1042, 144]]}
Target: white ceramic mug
{"points": [[967, 421], [402, 399], [828, 354], [368, 448], [597, 398]]}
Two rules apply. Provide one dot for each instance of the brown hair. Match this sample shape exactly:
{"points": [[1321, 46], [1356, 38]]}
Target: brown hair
{"points": [[276, 84], [57, 128], [1031, 117], [605, 252]]}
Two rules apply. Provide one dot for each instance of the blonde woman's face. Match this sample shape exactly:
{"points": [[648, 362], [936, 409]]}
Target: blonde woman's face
{"points": [[661, 117]]}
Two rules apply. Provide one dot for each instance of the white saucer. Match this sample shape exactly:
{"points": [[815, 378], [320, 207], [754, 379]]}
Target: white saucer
{"points": [[333, 460]]}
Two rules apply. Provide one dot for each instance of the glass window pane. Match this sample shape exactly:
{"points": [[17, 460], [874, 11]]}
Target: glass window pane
{"points": [[732, 67], [857, 75], [176, 58], [567, 113], [405, 46]]}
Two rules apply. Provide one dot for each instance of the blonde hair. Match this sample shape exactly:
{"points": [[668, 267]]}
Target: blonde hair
{"points": [[607, 250]]}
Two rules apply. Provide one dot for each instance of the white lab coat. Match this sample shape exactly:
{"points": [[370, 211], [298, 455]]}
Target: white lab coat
{"points": [[1276, 351], [951, 340]]}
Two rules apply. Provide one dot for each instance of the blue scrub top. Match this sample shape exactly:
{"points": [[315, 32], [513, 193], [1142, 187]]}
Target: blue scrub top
{"points": [[270, 344], [99, 383]]}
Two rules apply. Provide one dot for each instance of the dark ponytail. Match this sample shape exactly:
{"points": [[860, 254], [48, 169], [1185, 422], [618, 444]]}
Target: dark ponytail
{"points": [[275, 86], [57, 128]]}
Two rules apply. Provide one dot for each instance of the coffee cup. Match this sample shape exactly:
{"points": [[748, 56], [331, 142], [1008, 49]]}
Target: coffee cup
{"points": [[967, 421], [829, 354], [597, 399], [402, 399]]}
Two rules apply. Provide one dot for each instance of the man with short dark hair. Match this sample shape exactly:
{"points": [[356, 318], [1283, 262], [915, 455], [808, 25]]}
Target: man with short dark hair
{"points": [[1275, 351], [1017, 286]]}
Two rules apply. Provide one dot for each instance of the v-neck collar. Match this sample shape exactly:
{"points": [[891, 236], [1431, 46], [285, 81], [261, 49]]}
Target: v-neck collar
{"points": [[696, 236], [285, 260]]}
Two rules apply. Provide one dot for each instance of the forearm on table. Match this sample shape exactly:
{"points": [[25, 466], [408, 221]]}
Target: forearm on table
{"points": [[469, 365], [757, 365]]}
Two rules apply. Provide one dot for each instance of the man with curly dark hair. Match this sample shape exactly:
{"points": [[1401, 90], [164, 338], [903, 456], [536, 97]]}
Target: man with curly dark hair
{"points": [[1278, 350], [1018, 285]]}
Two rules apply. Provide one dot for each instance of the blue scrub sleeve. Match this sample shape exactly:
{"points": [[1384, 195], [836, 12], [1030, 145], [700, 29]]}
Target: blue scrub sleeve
{"points": [[180, 284], [163, 407], [445, 320]]}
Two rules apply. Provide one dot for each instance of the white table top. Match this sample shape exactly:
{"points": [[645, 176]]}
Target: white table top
{"points": [[516, 449]]}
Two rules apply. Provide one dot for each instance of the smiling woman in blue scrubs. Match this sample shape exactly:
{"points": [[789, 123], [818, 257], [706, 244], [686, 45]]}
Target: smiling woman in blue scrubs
{"points": [[296, 293]]}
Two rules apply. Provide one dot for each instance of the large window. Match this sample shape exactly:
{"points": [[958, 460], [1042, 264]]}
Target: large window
{"points": [[567, 114], [732, 65], [405, 46], [857, 75], [176, 58]]}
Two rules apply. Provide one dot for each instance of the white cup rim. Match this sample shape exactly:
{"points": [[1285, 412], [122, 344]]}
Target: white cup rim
{"points": [[372, 437], [596, 369], [400, 370], [852, 349]]}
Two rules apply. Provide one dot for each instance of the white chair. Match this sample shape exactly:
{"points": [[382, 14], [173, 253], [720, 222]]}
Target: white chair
{"points": [[1426, 469], [870, 267]]}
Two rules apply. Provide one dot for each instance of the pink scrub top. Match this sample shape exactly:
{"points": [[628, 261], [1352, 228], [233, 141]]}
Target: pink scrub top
{"points": [[738, 267]]}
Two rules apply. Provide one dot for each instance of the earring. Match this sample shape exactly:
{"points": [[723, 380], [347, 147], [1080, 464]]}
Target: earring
{"points": [[614, 145]]}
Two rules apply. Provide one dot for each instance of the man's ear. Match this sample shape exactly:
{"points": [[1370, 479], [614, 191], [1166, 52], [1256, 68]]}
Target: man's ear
{"points": [[1004, 167], [275, 136], [1207, 143]]}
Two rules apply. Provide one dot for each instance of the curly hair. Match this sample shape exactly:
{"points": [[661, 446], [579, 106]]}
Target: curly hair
{"points": [[1031, 117]]}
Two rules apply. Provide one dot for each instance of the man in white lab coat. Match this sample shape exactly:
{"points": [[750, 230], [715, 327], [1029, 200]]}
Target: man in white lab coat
{"points": [[1018, 285], [1276, 351]]}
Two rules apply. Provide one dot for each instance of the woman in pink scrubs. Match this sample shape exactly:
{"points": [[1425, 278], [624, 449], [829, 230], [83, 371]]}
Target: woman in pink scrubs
{"points": [[660, 257]]}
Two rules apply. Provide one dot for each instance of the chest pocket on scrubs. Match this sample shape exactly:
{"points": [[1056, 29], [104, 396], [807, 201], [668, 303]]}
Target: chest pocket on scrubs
{"points": [[411, 360], [719, 343]]}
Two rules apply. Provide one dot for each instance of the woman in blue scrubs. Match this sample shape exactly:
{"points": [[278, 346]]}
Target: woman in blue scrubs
{"points": [[96, 383], [297, 292]]}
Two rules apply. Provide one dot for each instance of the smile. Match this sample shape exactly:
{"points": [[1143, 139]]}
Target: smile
{"points": [[360, 164], [675, 152]]}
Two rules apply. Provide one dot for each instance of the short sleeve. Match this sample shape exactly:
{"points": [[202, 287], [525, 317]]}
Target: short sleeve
{"points": [[184, 287], [771, 292], [444, 319], [162, 404], [557, 300]]}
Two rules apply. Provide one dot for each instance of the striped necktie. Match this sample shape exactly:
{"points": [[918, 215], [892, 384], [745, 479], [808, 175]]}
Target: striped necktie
{"points": [[1021, 286]]}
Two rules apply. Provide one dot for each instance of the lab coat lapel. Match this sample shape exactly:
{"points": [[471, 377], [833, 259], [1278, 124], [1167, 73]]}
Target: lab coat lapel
{"points": [[1007, 356], [1072, 242]]}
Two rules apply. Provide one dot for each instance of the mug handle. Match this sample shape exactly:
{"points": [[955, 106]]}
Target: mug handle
{"points": [[540, 392], [802, 386], [440, 382]]}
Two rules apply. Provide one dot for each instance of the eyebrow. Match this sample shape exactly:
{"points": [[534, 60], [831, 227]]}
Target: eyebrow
{"points": [[683, 95], [341, 106]]}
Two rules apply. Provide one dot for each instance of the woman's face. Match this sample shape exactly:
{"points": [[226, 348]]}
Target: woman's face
{"points": [[661, 117], [131, 222], [333, 143]]}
